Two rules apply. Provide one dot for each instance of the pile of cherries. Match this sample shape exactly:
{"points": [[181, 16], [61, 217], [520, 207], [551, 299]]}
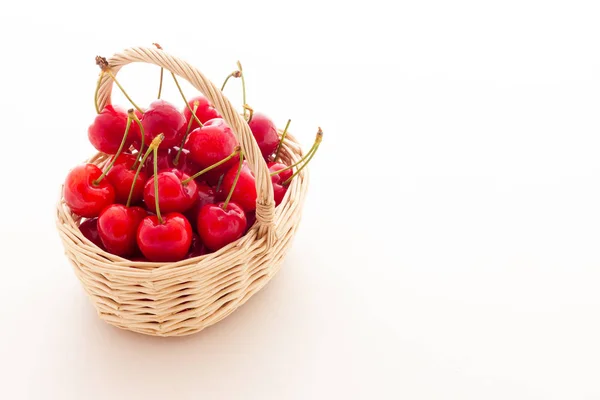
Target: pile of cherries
{"points": [[176, 184]]}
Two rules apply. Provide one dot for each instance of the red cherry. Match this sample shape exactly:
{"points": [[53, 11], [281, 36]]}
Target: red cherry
{"points": [[117, 226], [250, 219], [121, 177], [89, 229], [197, 248], [218, 227], [173, 195], [162, 159], [279, 189], [163, 117], [106, 132], [244, 193], [85, 197], [212, 143], [206, 195], [166, 241], [265, 133], [204, 112]]}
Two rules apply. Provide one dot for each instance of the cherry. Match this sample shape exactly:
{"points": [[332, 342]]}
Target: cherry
{"points": [[265, 133], [121, 176], [166, 238], [173, 194], [219, 225], [89, 229], [86, 193], [250, 220], [244, 192], [204, 112], [161, 238], [117, 226], [163, 117], [206, 195], [277, 180], [211, 143], [197, 248], [106, 132]]}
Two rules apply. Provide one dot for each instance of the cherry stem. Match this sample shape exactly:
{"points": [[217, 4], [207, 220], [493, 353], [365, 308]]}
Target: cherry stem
{"points": [[283, 135], [219, 183], [162, 71], [234, 74], [236, 151], [187, 132], [139, 124], [185, 100], [109, 72], [235, 181], [243, 85], [121, 146], [306, 156], [97, 90], [155, 154], [316, 146], [250, 110], [139, 168]]}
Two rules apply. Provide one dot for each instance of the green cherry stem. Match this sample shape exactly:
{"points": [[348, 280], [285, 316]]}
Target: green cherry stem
{"points": [[103, 64], [156, 142], [319, 137], [185, 100], [234, 74], [314, 148], [283, 135], [123, 141], [187, 132], [243, 85], [139, 124], [236, 151], [96, 92], [237, 177], [162, 71], [250, 110]]}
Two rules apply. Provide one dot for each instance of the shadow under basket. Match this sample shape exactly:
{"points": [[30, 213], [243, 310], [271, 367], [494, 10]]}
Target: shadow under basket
{"points": [[184, 297]]}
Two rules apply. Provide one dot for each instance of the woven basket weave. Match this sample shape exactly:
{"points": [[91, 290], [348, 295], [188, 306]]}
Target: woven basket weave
{"points": [[176, 299]]}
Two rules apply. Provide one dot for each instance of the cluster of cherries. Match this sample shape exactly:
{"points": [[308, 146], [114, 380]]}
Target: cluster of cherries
{"points": [[176, 185]]}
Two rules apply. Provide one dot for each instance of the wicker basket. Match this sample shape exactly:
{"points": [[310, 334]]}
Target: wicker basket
{"points": [[176, 299]]}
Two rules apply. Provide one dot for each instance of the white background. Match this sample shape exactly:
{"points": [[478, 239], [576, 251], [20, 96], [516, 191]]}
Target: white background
{"points": [[450, 241]]}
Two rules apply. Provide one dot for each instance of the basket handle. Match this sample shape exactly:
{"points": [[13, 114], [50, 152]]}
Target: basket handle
{"points": [[265, 205]]}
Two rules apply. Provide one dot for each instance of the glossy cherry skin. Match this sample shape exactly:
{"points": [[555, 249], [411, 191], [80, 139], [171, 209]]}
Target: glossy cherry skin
{"points": [[212, 143], [278, 189], [121, 177], [206, 195], [82, 196], [197, 248], [173, 196], [217, 227], [244, 194], [117, 226], [169, 241], [89, 229], [163, 117], [204, 112], [265, 133], [108, 128]]}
